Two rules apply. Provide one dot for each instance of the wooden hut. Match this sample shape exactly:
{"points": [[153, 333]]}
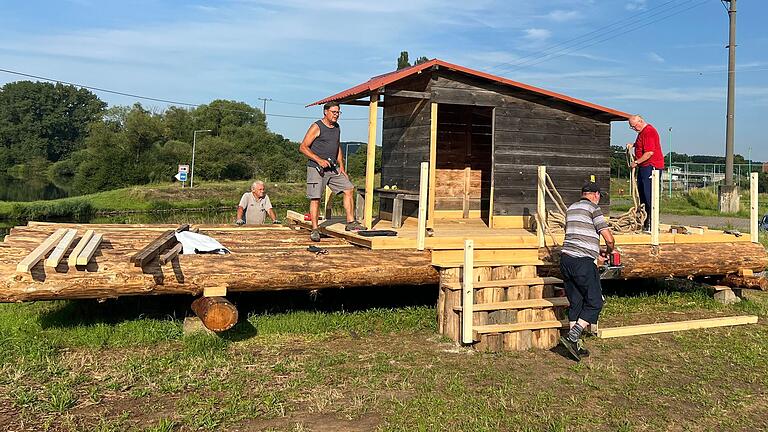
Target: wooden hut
{"points": [[483, 136]]}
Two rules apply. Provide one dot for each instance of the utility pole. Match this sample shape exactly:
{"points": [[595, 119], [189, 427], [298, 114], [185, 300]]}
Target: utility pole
{"points": [[729, 201], [264, 108]]}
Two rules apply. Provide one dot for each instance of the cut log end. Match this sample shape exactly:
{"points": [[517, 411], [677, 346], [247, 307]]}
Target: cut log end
{"points": [[216, 313]]}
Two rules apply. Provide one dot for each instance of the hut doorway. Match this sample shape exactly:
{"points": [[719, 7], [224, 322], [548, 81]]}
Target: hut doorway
{"points": [[463, 162]]}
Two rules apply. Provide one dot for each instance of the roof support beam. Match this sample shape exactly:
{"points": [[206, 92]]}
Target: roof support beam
{"points": [[373, 111], [408, 94]]}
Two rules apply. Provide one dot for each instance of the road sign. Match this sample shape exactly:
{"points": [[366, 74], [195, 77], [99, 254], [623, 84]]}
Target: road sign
{"points": [[183, 173], [182, 176]]}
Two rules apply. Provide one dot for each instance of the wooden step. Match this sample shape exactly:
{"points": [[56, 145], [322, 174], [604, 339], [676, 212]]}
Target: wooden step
{"points": [[518, 304], [504, 328], [493, 255], [455, 286], [491, 263]]}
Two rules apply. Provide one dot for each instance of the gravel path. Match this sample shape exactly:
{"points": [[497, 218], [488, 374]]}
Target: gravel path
{"points": [[741, 224]]}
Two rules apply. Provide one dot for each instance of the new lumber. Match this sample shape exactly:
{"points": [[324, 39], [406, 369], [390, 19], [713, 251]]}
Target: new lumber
{"points": [[72, 261], [39, 253], [645, 329], [507, 283], [519, 304], [55, 258], [504, 328], [152, 250], [89, 250]]}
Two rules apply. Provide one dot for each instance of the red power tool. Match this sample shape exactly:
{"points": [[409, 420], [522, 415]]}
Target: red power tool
{"points": [[611, 269]]}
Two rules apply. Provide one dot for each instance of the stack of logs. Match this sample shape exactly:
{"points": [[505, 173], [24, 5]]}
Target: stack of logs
{"points": [[513, 308]]}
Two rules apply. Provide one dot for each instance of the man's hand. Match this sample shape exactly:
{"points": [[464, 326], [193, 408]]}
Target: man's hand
{"points": [[602, 258], [323, 163], [633, 164], [343, 172], [239, 222], [630, 145]]}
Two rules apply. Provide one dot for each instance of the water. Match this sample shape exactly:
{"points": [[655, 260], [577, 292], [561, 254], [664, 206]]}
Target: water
{"points": [[14, 189]]}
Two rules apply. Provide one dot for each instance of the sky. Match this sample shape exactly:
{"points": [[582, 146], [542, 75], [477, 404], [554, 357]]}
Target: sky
{"points": [[666, 60]]}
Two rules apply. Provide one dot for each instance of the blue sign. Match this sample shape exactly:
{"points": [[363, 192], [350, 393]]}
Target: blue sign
{"points": [[182, 176]]}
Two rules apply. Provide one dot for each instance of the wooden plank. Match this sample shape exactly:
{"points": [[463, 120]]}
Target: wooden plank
{"points": [[746, 272], [55, 258], [172, 253], [423, 192], [655, 195], [508, 283], [408, 94], [541, 208], [215, 291], [370, 160], [39, 253], [468, 294], [432, 164], [157, 246], [72, 260], [644, 329], [753, 230], [90, 250], [503, 328], [519, 304]]}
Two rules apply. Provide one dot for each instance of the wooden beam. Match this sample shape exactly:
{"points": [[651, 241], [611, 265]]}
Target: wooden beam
{"points": [[541, 207], [61, 249], [675, 326], [171, 254], [327, 206], [519, 304], [432, 164], [39, 253], [507, 283], [465, 196], [90, 250], [503, 328], [72, 260], [655, 195], [753, 230], [215, 291], [153, 249], [408, 94], [468, 293], [421, 229], [371, 160]]}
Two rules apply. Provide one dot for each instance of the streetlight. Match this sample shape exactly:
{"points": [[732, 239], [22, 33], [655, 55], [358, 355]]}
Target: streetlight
{"points": [[192, 169], [670, 162]]}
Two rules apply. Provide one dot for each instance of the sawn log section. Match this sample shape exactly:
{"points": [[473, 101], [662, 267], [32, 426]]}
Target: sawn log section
{"points": [[263, 258]]}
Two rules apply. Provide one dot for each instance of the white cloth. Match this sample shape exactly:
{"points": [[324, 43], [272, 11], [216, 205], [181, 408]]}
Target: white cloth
{"points": [[193, 243]]}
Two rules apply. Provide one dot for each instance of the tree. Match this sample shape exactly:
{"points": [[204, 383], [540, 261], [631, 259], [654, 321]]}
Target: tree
{"points": [[402, 61]]}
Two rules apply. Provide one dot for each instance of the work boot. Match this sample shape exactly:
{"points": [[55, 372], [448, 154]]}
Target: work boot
{"points": [[315, 235], [582, 349], [355, 226], [571, 347]]}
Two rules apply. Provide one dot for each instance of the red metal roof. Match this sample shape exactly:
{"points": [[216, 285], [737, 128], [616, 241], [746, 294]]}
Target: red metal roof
{"points": [[379, 81]]}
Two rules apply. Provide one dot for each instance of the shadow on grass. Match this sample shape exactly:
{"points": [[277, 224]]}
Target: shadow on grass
{"points": [[650, 287]]}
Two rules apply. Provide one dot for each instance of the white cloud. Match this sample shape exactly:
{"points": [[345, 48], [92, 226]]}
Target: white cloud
{"points": [[652, 56], [636, 5], [563, 15], [537, 34]]}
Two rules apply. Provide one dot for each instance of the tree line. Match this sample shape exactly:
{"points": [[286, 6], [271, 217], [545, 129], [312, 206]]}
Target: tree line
{"points": [[71, 136]]}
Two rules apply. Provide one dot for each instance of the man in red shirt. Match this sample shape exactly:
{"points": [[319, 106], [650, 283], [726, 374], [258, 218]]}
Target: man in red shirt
{"points": [[648, 157]]}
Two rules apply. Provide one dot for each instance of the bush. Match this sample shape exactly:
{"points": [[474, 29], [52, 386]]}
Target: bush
{"points": [[78, 210]]}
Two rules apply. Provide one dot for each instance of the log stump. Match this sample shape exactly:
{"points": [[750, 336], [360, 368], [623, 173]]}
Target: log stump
{"points": [[216, 313]]}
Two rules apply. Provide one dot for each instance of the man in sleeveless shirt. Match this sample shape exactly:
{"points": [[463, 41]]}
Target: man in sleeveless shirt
{"points": [[325, 167], [584, 225]]}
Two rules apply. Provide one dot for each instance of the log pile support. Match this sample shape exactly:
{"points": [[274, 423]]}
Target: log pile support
{"points": [[216, 313]]}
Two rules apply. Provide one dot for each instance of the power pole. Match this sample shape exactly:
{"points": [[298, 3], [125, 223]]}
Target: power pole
{"points": [[729, 127], [264, 109]]}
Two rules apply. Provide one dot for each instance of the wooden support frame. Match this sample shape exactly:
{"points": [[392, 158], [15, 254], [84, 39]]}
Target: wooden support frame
{"points": [[655, 195], [753, 229], [157, 246], [171, 254], [541, 204], [55, 258], [373, 111], [644, 329], [215, 291], [72, 260], [468, 293], [421, 232], [90, 250], [39, 253], [408, 94], [432, 163]]}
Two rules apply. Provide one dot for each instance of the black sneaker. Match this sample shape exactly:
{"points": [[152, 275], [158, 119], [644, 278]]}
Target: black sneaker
{"points": [[572, 348], [582, 349], [355, 226], [315, 235]]}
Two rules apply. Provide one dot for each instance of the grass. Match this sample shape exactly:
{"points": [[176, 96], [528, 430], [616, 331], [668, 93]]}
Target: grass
{"points": [[126, 366]]}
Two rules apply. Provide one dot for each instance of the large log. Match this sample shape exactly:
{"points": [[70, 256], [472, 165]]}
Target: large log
{"points": [[216, 313], [752, 282], [679, 260]]}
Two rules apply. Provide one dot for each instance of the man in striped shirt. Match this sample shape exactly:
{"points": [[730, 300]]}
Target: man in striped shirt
{"points": [[584, 224]]}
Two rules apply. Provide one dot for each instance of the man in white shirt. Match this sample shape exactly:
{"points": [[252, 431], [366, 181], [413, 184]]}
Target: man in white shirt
{"points": [[254, 206]]}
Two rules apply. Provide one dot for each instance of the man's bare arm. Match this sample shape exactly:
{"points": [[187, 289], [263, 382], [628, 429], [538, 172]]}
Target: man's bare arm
{"points": [[306, 143], [610, 243]]}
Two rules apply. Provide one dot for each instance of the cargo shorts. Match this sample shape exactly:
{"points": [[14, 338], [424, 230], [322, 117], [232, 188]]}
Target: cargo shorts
{"points": [[316, 183]]}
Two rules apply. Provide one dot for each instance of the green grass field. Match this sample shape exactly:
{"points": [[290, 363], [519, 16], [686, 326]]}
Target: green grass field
{"points": [[126, 366]]}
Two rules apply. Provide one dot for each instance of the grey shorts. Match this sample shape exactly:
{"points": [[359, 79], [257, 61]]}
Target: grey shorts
{"points": [[316, 183]]}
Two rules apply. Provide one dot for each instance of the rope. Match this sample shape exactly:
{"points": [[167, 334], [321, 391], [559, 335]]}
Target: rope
{"points": [[628, 222]]}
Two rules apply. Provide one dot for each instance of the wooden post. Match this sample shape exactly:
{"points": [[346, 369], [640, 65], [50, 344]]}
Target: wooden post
{"points": [[327, 206], [468, 295], [465, 198], [432, 163], [753, 230], [370, 163], [423, 191], [541, 207], [655, 192]]}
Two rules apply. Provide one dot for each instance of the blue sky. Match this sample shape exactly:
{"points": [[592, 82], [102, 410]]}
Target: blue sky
{"points": [[671, 69]]}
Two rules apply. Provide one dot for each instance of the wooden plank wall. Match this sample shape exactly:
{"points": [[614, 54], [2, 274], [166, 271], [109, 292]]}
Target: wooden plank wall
{"points": [[532, 130]]}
